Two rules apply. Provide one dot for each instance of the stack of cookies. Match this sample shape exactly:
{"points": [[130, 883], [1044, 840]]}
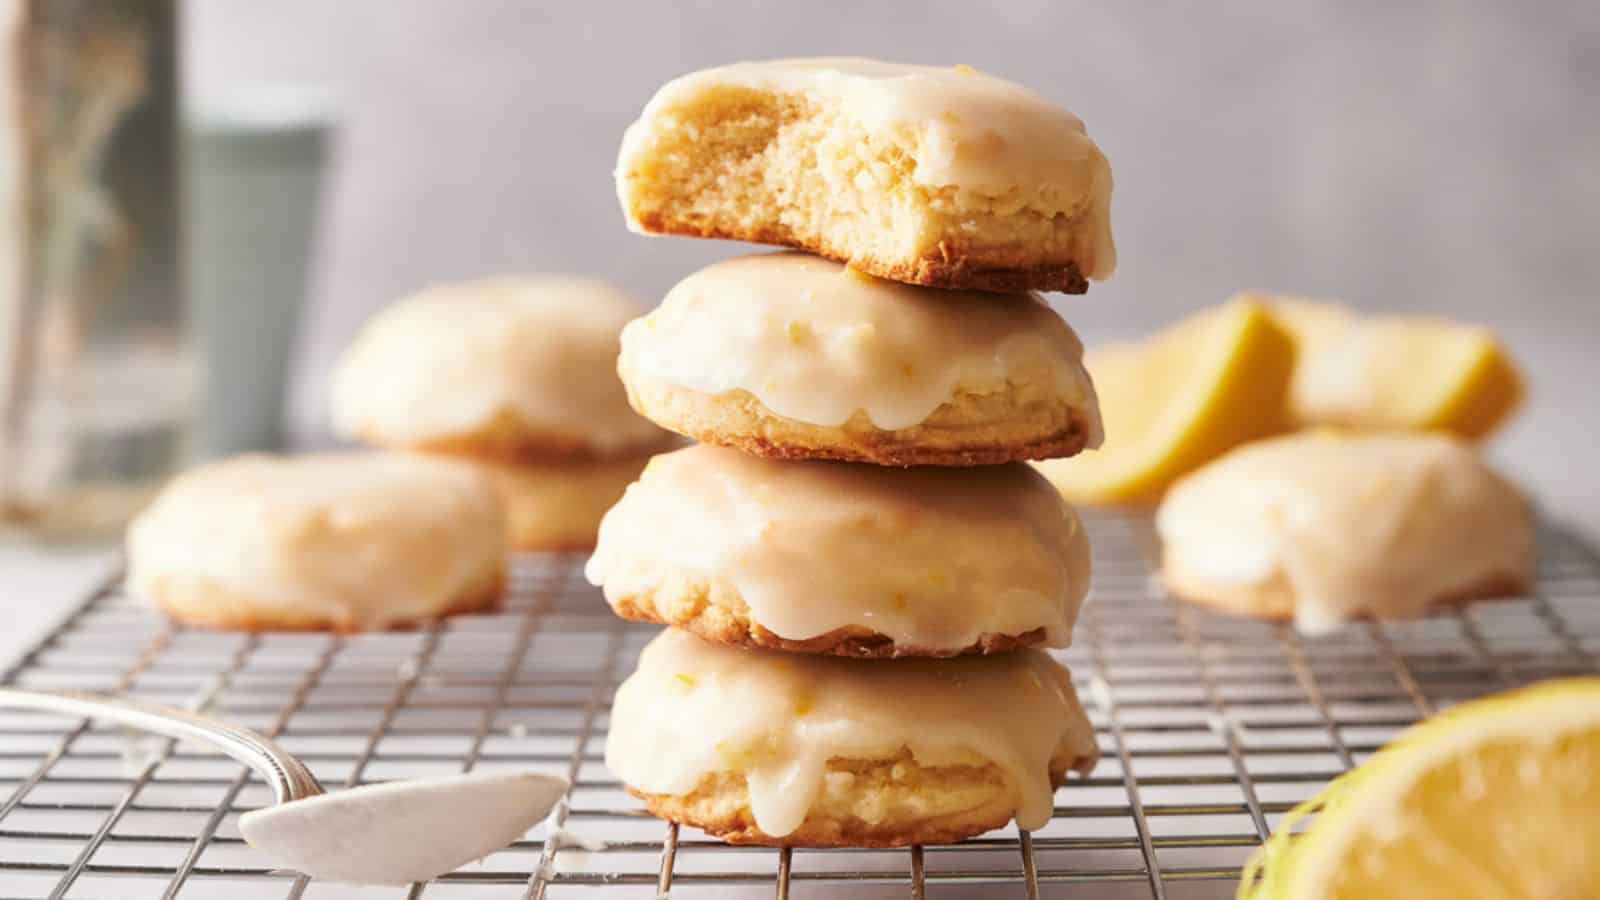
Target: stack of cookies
{"points": [[858, 564]]}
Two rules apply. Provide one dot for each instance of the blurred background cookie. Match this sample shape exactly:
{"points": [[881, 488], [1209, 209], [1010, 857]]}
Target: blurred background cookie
{"points": [[1322, 527], [769, 748], [557, 505], [345, 542], [516, 375], [837, 558], [508, 366], [796, 357]]}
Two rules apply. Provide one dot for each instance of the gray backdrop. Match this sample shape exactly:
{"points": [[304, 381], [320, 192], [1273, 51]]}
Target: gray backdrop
{"points": [[1429, 155]]}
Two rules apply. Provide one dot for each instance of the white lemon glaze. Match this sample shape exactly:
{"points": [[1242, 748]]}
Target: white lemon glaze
{"points": [[817, 342], [930, 557], [694, 708]]}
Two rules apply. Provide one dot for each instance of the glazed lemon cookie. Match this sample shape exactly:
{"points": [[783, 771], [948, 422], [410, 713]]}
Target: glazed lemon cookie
{"points": [[940, 176], [557, 505], [845, 559], [792, 356], [759, 747], [502, 366], [1324, 527], [340, 541]]}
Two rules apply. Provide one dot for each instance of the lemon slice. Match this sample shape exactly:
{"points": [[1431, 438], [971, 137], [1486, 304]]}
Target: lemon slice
{"points": [[1497, 798], [1411, 372], [1179, 399]]}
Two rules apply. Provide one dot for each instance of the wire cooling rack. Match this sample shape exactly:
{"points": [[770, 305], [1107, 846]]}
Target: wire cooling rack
{"points": [[1211, 728]]}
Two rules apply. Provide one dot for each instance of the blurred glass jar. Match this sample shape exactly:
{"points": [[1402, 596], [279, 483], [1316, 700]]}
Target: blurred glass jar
{"points": [[99, 381]]}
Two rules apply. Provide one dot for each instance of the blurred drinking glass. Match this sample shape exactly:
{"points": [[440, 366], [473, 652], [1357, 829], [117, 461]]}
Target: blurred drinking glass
{"points": [[99, 381]]}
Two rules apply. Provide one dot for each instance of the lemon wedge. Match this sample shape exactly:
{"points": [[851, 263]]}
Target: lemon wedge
{"points": [[1411, 372], [1179, 399], [1497, 798]]}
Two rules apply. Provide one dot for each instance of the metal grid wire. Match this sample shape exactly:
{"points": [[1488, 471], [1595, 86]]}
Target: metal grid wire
{"points": [[1211, 727]]}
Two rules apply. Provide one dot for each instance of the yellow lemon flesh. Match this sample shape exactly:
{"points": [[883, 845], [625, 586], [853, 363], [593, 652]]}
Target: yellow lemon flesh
{"points": [[1180, 399], [1497, 798], [1411, 372]]}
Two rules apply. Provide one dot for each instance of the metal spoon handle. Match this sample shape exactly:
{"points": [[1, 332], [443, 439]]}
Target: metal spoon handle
{"points": [[289, 778]]}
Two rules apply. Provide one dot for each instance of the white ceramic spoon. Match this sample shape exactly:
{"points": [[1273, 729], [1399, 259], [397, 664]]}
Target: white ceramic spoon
{"points": [[395, 832]]}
